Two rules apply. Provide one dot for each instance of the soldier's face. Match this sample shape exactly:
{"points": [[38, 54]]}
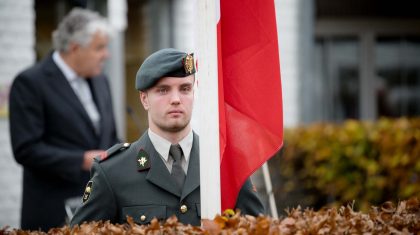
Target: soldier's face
{"points": [[169, 104], [91, 58]]}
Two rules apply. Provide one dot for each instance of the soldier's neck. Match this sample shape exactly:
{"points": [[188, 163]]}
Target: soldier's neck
{"points": [[173, 137]]}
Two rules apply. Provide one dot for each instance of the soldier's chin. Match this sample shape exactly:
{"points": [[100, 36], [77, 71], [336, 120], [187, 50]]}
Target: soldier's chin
{"points": [[175, 128]]}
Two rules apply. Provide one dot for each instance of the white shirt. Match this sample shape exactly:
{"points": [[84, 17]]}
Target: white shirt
{"points": [[81, 88], [162, 146]]}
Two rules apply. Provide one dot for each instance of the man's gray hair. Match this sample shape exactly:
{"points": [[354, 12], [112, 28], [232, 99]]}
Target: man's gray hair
{"points": [[78, 27]]}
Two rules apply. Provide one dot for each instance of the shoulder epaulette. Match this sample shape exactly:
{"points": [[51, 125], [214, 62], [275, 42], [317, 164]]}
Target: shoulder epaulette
{"points": [[114, 150]]}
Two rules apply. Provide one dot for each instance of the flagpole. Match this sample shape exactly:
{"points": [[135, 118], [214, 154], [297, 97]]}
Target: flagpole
{"points": [[208, 109], [269, 190]]}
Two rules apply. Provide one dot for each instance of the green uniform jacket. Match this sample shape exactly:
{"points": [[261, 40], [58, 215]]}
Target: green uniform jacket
{"points": [[120, 186]]}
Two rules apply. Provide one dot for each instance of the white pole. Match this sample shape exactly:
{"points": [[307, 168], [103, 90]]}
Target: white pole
{"points": [[207, 105], [269, 190], [117, 17]]}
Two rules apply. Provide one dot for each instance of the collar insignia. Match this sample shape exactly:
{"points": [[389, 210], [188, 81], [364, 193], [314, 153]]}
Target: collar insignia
{"points": [[189, 64], [143, 161]]}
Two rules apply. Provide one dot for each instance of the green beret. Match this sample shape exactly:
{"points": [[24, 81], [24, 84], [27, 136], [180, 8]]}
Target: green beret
{"points": [[164, 63]]}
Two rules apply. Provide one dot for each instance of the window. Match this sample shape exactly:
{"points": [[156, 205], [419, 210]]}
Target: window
{"points": [[366, 77], [337, 75], [397, 69]]}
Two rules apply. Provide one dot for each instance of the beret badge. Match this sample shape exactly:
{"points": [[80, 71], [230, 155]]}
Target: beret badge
{"points": [[189, 64]]}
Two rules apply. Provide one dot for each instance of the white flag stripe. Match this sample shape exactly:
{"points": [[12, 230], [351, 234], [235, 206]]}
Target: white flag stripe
{"points": [[217, 10]]}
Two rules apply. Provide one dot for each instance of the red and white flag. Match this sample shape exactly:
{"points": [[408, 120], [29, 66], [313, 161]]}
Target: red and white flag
{"points": [[250, 97]]}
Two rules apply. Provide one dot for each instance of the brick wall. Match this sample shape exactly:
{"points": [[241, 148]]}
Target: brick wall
{"points": [[10, 181], [17, 52]]}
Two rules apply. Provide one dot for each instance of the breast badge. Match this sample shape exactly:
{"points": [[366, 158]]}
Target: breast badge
{"points": [[88, 191]]}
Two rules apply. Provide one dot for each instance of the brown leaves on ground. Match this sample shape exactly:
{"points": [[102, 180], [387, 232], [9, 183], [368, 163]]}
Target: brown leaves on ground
{"points": [[385, 219]]}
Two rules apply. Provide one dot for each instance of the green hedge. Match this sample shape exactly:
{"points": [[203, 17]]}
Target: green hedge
{"points": [[365, 162]]}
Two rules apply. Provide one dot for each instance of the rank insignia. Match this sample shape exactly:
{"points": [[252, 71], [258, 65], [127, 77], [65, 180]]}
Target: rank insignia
{"points": [[143, 161], [189, 64], [114, 150], [88, 191]]}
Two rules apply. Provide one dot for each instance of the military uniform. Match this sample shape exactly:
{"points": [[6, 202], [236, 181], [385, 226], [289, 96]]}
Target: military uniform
{"points": [[133, 181]]}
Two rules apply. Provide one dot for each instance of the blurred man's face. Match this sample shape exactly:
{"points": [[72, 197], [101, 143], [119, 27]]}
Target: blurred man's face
{"points": [[169, 104], [91, 58]]}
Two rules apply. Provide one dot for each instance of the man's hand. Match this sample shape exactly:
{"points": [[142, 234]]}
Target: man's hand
{"points": [[89, 156]]}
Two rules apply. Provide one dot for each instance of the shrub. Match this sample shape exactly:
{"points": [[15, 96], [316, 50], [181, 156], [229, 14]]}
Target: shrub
{"points": [[369, 162]]}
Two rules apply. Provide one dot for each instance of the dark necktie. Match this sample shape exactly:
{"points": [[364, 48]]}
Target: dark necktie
{"points": [[177, 172]]}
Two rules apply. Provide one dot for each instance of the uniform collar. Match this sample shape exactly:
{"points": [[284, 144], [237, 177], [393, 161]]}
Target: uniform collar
{"points": [[162, 145]]}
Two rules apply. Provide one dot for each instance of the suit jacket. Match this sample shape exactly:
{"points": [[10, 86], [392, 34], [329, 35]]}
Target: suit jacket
{"points": [[50, 130], [120, 187]]}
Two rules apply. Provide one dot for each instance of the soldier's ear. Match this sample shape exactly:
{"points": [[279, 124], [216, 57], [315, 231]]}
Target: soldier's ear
{"points": [[144, 100]]}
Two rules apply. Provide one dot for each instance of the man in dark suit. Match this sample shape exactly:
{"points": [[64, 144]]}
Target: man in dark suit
{"points": [[61, 117], [158, 175]]}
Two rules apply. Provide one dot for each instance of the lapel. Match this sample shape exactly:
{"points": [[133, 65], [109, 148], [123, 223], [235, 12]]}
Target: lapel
{"points": [[158, 173], [97, 92], [193, 175], [60, 84]]}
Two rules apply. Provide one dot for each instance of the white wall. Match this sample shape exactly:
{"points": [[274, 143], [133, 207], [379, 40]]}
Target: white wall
{"points": [[295, 36], [17, 38], [184, 25]]}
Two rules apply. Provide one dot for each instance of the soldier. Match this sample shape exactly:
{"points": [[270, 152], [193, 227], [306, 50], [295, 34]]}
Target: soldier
{"points": [[158, 175]]}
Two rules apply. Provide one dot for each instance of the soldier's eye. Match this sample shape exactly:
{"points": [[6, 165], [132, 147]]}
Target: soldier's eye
{"points": [[162, 90], [186, 89]]}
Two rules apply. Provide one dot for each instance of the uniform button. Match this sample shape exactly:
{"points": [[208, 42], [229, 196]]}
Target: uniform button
{"points": [[143, 218], [183, 209]]}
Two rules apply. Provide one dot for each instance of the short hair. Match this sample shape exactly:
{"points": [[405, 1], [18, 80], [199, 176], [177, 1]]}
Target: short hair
{"points": [[78, 27]]}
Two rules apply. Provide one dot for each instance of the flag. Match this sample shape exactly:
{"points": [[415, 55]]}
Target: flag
{"points": [[250, 97]]}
